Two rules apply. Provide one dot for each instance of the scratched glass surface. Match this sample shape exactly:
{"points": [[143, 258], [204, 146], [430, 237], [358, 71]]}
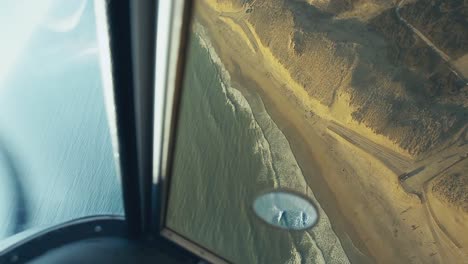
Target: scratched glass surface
{"points": [[56, 160]]}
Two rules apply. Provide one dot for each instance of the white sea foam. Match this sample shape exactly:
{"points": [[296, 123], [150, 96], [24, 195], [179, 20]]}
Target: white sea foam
{"points": [[318, 245]]}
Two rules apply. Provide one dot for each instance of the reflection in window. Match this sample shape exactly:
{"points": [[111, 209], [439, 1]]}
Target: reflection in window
{"points": [[56, 159], [361, 106]]}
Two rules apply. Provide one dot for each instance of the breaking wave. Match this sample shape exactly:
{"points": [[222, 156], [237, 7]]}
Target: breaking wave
{"points": [[280, 168]]}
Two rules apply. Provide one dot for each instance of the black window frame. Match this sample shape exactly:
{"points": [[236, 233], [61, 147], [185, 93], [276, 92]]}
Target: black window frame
{"points": [[131, 34]]}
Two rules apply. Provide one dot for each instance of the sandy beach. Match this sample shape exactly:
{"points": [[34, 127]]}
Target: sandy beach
{"points": [[308, 161], [375, 219], [291, 120]]}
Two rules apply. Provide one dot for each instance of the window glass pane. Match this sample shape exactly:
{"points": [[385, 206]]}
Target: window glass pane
{"points": [[56, 161], [360, 106]]}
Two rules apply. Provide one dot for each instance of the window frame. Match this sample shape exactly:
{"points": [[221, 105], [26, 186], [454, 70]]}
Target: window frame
{"points": [[180, 21]]}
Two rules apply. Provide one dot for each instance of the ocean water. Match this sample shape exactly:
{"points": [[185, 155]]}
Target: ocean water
{"points": [[229, 151]]}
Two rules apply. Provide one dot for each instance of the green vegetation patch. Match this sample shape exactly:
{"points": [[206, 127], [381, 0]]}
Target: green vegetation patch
{"points": [[453, 188]]}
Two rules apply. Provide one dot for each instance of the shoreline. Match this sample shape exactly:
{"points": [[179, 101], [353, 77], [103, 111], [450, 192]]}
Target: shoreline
{"points": [[311, 171], [350, 241], [323, 234]]}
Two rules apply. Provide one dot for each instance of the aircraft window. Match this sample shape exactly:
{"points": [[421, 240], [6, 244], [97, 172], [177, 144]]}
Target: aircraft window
{"points": [[360, 107], [285, 210], [56, 160]]}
